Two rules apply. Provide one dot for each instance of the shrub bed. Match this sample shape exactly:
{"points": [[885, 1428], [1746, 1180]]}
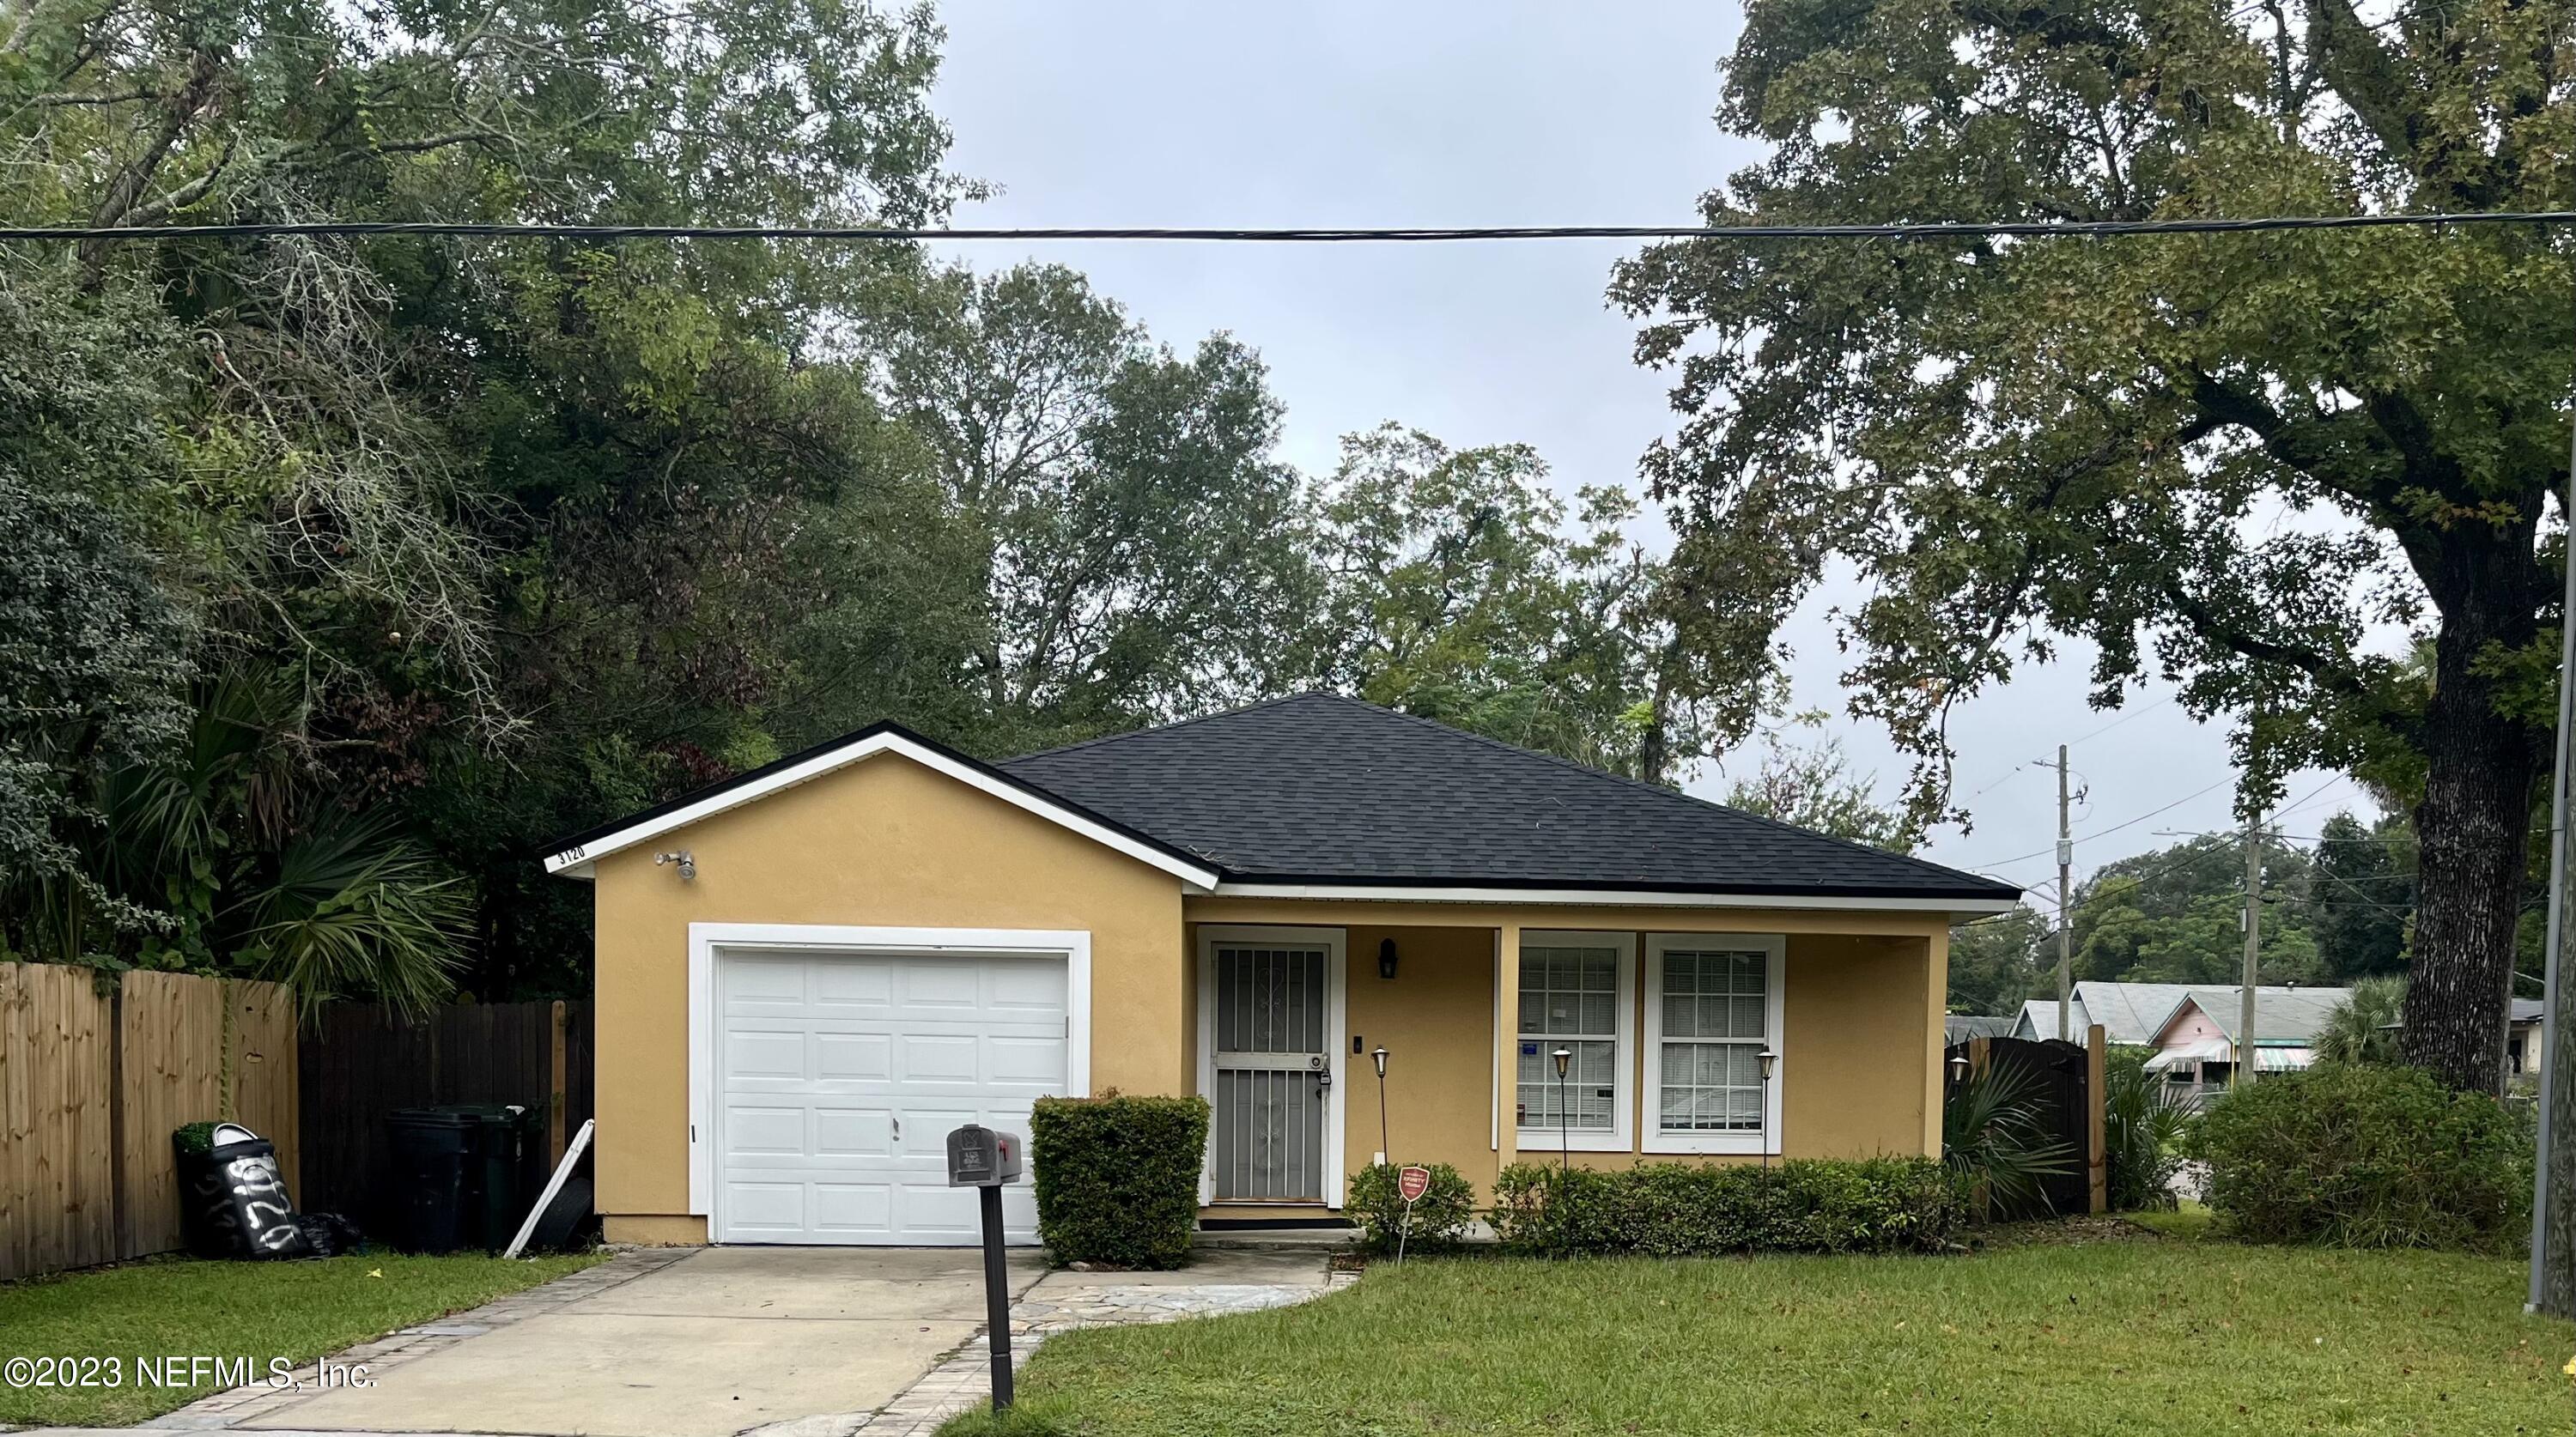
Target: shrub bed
{"points": [[1118, 1177], [1691, 1210], [1440, 1215], [2367, 1157]]}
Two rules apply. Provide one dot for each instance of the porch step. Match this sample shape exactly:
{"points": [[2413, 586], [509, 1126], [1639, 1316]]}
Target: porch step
{"points": [[1276, 1239]]}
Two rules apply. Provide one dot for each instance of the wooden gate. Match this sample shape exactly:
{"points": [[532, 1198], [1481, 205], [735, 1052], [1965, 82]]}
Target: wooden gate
{"points": [[2061, 1079]]}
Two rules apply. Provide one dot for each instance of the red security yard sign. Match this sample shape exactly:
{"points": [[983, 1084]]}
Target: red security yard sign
{"points": [[1410, 1184], [1413, 1183]]}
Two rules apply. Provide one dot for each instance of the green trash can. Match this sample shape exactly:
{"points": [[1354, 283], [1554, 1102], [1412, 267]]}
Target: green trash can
{"points": [[460, 1167]]}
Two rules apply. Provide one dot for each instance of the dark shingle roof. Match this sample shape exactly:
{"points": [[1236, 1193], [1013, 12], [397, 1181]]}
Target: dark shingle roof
{"points": [[1322, 789]]}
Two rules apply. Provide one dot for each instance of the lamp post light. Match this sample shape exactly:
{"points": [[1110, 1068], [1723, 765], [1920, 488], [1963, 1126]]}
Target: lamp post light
{"points": [[1385, 1150], [1564, 1139], [1958, 1069], [1768, 1058]]}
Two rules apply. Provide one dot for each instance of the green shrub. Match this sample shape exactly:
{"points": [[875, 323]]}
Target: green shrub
{"points": [[1118, 1177], [1440, 1215], [1690, 1209], [2350, 1156], [2143, 1125]]}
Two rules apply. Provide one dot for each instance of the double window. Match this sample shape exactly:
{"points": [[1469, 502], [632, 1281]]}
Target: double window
{"points": [[1712, 1008]]}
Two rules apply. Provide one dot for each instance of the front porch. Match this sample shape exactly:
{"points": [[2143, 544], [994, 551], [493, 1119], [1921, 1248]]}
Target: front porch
{"points": [[1663, 1013]]}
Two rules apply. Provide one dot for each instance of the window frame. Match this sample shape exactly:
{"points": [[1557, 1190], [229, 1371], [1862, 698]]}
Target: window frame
{"points": [[1655, 1137], [1620, 1137]]}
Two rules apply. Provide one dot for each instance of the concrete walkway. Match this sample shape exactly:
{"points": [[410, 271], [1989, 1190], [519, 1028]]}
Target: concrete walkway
{"points": [[697, 1343], [711, 1342]]}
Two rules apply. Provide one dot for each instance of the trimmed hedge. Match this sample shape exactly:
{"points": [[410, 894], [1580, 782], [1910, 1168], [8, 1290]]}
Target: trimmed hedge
{"points": [[2348, 1156], [1440, 1215], [1118, 1177], [1692, 1210]]}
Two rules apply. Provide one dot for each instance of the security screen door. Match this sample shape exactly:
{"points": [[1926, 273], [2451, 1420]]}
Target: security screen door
{"points": [[1266, 1142]]}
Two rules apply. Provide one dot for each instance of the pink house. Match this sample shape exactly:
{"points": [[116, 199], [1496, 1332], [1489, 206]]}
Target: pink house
{"points": [[2198, 1043]]}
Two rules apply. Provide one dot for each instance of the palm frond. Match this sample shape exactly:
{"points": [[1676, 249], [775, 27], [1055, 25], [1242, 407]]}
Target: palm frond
{"points": [[355, 909]]}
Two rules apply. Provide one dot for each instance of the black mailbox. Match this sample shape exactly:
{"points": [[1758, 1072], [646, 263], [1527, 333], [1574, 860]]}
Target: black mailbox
{"points": [[979, 1157]]}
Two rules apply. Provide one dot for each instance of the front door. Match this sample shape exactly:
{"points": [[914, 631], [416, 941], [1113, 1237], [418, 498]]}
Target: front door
{"points": [[1274, 1020]]}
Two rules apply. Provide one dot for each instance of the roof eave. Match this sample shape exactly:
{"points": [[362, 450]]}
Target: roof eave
{"points": [[1587, 895]]}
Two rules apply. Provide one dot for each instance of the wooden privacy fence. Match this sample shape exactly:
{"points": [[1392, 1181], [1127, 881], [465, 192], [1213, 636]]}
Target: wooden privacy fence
{"points": [[95, 1071], [361, 1063]]}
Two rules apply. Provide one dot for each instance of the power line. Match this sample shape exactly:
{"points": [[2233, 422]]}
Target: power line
{"points": [[2124, 718], [1939, 229]]}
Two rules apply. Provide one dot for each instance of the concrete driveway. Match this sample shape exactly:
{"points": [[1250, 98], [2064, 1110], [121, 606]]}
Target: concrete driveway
{"points": [[720, 1341]]}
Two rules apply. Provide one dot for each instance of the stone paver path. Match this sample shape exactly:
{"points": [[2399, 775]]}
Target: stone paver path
{"points": [[1064, 1301]]}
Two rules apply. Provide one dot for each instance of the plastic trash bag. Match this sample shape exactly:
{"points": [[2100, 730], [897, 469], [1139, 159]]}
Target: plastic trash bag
{"points": [[232, 1200]]}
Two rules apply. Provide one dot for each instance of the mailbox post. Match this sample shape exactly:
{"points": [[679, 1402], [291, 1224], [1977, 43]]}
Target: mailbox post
{"points": [[979, 1157]]}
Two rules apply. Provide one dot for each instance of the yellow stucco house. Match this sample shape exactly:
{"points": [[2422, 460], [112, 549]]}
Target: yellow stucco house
{"points": [[809, 974]]}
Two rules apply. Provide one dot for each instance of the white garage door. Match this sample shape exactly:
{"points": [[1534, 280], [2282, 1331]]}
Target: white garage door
{"points": [[841, 1075]]}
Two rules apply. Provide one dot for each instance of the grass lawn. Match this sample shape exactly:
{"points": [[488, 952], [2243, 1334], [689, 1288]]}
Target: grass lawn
{"points": [[259, 1310], [2127, 1337]]}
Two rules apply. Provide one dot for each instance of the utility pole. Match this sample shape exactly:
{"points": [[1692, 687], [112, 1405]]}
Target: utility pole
{"points": [[2549, 1260], [2065, 938], [2253, 945]]}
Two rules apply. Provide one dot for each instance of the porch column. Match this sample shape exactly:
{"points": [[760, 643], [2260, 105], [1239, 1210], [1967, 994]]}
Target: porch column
{"points": [[1507, 1027]]}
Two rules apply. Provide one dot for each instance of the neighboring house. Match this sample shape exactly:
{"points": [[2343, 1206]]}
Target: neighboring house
{"points": [[2522, 1039], [2130, 1013], [1960, 1027], [808, 975], [2200, 1042]]}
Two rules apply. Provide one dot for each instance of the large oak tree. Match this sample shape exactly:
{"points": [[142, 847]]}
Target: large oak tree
{"points": [[2220, 459]]}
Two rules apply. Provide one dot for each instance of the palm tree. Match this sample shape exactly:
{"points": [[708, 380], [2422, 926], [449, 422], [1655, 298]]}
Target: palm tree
{"points": [[225, 857], [1995, 1137], [2363, 1027]]}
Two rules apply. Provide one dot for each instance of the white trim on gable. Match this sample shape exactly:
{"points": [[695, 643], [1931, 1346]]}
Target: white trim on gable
{"points": [[577, 861]]}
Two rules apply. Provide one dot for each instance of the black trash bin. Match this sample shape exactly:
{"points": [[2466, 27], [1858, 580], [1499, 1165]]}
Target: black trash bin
{"points": [[429, 1148], [457, 1171]]}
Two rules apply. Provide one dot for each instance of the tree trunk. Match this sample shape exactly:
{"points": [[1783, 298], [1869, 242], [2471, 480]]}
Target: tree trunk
{"points": [[2474, 825]]}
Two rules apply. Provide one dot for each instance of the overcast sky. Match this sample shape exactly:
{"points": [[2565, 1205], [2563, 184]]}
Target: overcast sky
{"points": [[1469, 114]]}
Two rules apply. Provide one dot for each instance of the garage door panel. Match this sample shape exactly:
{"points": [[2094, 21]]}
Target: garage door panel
{"points": [[933, 1059], [764, 1054], [936, 1211], [765, 979], [854, 1209], [765, 1207], [765, 1132], [927, 986], [839, 985], [853, 1057], [853, 1132], [1024, 987], [1032, 1062], [843, 1073]]}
